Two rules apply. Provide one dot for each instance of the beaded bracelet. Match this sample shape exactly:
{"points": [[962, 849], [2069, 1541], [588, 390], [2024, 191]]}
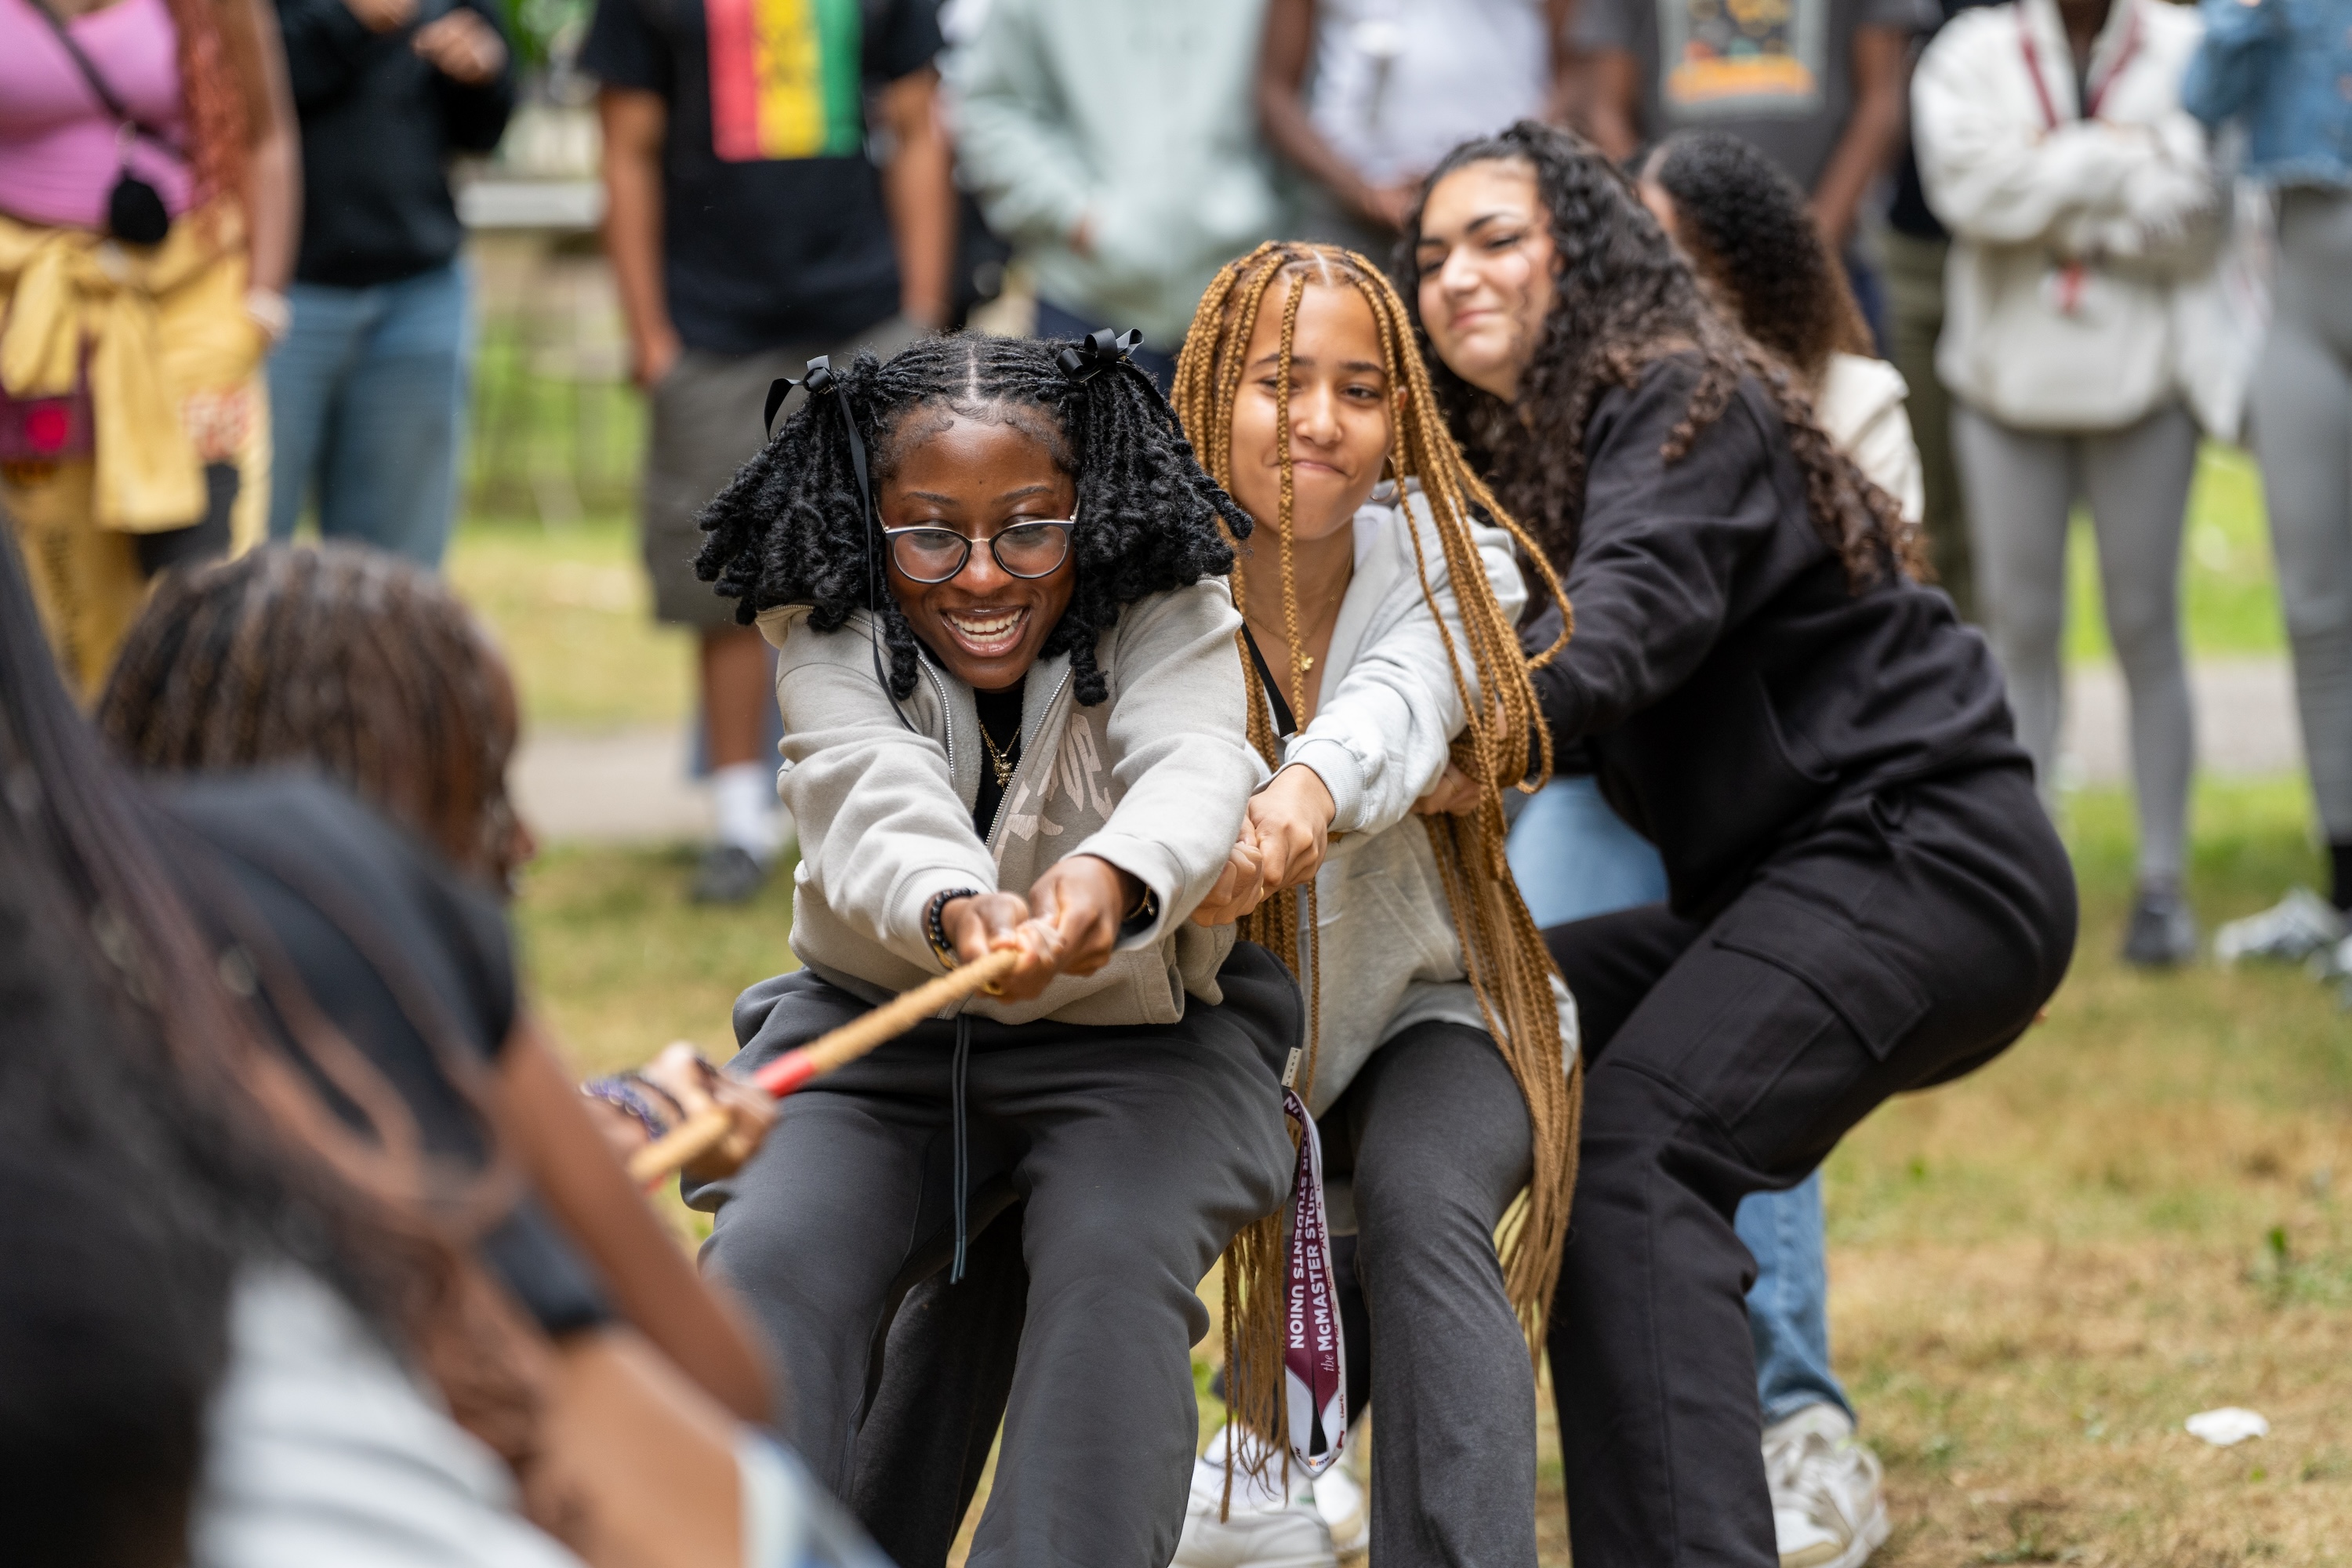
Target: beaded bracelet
{"points": [[934, 932], [627, 1090]]}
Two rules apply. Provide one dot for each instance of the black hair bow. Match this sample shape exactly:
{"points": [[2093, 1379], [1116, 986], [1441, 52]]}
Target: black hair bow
{"points": [[1098, 352], [819, 380]]}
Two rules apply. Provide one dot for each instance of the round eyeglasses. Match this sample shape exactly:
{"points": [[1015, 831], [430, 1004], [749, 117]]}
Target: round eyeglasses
{"points": [[934, 554]]}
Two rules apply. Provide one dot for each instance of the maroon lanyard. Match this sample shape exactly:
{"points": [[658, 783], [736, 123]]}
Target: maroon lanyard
{"points": [[2071, 277], [2096, 94]]}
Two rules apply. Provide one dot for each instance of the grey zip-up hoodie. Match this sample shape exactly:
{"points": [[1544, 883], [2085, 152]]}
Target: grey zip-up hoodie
{"points": [[1155, 780]]}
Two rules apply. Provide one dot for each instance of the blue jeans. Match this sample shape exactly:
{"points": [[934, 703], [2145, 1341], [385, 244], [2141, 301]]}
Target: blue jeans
{"points": [[367, 402], [1573, 857]]}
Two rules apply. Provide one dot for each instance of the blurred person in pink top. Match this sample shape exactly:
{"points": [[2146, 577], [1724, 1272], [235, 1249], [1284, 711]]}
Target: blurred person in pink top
{"points": [[147, 224]]}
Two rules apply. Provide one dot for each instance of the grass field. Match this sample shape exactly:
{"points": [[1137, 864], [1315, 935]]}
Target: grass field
{"points": [[2038, 1272]]}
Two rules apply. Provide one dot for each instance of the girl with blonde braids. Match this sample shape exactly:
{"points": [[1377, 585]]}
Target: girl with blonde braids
{"points": [[1380, 588]]}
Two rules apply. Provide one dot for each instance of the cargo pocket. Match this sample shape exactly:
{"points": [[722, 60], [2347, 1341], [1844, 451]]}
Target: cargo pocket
{"points": [[1878, 1003]]}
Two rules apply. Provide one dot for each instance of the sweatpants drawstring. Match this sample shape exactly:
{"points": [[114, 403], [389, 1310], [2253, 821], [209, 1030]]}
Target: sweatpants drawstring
{"points": [[956, 1113]]}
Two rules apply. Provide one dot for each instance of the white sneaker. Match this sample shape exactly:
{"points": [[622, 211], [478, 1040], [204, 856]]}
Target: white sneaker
{"points": [[2289, 932], [1827, 1508], [1347, 1511], [1282, 1535], [1263, 1529]]}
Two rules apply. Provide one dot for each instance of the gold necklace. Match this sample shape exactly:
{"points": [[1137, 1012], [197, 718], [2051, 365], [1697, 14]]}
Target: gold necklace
{"points": [[1307, 660], [998, 762]]}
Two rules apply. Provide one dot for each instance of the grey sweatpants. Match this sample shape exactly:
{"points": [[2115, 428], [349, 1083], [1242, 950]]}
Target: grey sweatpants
{"points": [[2019, 487], [1138, 1152], [2303, 434], [1435, 1135]]}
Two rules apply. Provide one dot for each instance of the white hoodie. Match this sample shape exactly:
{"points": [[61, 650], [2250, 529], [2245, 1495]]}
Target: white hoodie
{"points": [[2084, 244], [1386, 713]]}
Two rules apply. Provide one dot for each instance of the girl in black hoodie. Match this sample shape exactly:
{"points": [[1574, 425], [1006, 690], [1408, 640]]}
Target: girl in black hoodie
{"points": [[1865, 896]]}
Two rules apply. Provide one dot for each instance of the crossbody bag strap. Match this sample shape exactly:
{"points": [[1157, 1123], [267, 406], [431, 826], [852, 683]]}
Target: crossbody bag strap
{"points": [[98, 83]]}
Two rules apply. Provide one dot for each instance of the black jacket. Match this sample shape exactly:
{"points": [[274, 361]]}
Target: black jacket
{"points": [[1726, 683], [378, 127]]}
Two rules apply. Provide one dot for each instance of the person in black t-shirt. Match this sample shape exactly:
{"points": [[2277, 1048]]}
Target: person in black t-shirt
{"points": [[751, 228], [368, 391]]}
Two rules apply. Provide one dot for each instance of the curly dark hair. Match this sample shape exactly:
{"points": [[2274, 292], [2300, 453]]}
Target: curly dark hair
{"points": [[792, 528], [1624, 298], [354, 661], [1745, 224]]}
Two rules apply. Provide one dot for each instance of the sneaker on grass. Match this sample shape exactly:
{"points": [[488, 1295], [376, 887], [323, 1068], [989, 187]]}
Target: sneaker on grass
{"points": [[1264, 1528], [1347, 1512], [2162, 933], [2289, 932], [1827, 1508]]}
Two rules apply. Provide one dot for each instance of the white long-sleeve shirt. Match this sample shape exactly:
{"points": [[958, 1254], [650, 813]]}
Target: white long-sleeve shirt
{"points": [[1386, 713]]}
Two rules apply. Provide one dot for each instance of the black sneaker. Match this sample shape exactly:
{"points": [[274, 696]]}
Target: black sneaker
{"points": [[2162, 933], [728, 874]]}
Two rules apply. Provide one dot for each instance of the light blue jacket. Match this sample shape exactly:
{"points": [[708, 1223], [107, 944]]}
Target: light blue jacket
{"points": [[2285, 67]]}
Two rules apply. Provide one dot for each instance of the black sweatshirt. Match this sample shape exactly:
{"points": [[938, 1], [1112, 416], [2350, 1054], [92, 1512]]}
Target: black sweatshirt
{"points": [[378, 127], [1726, 682]]}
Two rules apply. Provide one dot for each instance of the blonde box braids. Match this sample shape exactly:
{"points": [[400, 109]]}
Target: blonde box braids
{"points": [[1504, 743]]}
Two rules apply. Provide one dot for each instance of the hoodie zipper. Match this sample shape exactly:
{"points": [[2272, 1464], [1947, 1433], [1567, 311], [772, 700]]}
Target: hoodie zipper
{"points": [[947, 709]]}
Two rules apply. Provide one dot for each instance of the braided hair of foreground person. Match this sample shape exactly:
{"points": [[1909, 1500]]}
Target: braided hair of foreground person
{"points": [[260, 660], [793, 530], [1624, 298], [1508, 966]]}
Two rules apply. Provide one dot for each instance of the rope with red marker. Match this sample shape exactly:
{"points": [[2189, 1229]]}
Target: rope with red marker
{"points": [[666, 1155]]}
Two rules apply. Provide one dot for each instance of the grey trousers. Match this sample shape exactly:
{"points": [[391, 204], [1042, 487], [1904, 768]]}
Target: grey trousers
{"points": [[1138, 1153], [1434, 1135], [2021, 485], [2303, 434]]}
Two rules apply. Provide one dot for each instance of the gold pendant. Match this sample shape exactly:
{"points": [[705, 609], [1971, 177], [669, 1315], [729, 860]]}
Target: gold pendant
{"points": [[1306, 665]]}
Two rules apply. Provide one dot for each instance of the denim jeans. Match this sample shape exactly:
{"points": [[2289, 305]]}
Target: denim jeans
{"points": [[367, 404], [1573, 857]]}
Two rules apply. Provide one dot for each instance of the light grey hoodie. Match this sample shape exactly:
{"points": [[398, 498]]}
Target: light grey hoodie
{"points": [[1385, 719], [1154, 780]]}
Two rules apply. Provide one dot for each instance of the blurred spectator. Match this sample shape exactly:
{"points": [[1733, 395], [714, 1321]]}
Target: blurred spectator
{"points": [[2285, 67], [2052, 144], [133, 429], [367, 395], [750, 230], [1913, 248], [1113, 143], [1365, 95], [1817, 85]]}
